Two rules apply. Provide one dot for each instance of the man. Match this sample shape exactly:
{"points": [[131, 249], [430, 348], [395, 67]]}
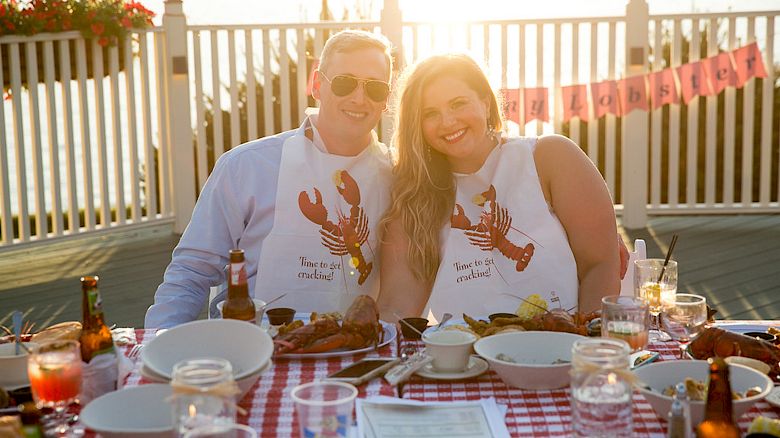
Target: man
{"points": [[303, 205]]}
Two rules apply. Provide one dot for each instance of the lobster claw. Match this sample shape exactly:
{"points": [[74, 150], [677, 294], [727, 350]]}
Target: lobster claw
{"points": [[348, 188], [490, 193], [314, 211], [459, 219]]}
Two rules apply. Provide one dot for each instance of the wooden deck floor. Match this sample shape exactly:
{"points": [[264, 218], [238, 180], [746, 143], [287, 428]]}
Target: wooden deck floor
{"points": [[732, 260]]}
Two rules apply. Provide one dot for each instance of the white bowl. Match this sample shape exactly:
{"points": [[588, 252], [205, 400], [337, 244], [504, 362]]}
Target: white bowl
{"points": [[246, 346], [661, 375], [14, 366], [533, 354], [259, 309], [139, 411]]}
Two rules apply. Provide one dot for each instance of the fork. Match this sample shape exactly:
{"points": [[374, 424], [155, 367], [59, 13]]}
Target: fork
{"points": [[135, 351]]}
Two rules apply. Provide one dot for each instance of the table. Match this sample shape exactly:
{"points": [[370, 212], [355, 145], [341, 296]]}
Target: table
{"points": [[548, 413], [270, 410]]}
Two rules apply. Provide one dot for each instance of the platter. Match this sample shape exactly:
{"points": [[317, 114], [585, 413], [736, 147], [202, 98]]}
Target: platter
{"points": [[742, 328], [389, 336]]}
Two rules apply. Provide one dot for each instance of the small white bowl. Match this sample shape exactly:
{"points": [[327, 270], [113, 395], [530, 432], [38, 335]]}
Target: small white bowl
{"points": [[14, 366], [661, 375], [533, 353], [139, 411], [246, 346], [259, 309]]}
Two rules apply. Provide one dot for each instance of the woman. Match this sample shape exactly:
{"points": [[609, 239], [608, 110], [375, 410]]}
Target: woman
{"points": [[480, 223]]}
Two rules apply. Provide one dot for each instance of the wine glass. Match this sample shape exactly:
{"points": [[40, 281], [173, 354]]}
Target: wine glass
{"points": [[657, 289], [54, 369], [684, 320]]}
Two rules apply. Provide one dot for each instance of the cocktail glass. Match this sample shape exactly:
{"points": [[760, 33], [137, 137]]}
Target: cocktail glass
{"points": [[657, 285], [54, 369], [685, 319]]}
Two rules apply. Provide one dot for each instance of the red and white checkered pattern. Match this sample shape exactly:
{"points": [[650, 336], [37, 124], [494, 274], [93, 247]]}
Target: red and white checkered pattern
{"points": [[548, 413], [270, 409]]}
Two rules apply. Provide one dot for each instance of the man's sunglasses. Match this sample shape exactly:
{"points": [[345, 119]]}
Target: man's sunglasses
{"points": [[343, 85]]}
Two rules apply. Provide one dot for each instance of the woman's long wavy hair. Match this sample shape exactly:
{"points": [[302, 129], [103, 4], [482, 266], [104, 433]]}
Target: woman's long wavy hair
{"points": [[423, 190]]}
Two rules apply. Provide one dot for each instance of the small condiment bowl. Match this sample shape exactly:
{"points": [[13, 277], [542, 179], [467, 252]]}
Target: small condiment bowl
{"points": [[419, 323], [280, 315], [764, 336]]}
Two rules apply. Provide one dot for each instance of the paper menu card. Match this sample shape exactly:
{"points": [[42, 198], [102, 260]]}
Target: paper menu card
{"points": [[379, 417]]}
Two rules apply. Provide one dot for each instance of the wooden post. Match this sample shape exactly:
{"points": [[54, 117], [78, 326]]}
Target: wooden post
{"points": [[182, 161], [634, 160], [391, 23]]}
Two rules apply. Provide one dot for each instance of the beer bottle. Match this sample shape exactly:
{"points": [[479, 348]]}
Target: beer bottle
{"points": [[238, 304], [718, 415], [95, 336]]}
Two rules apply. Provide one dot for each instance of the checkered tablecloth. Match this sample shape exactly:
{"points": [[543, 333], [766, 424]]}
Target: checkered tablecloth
{"points": [[270, 409], [548, 413]]}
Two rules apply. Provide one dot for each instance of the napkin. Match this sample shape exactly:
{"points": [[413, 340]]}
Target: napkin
{"points": [[103, 374]]}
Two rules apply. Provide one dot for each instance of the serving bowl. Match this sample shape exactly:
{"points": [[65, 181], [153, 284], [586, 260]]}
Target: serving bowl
{"points": [[14, 366], [139, 411], [661, 375], [531, 355], [246, 346]]}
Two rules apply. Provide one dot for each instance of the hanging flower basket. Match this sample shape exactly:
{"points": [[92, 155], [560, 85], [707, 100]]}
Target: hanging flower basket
{"points": [[105, 21]]}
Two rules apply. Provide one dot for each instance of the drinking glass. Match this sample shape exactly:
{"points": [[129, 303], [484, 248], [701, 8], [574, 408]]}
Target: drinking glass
{"points": [[625, 318], [684, 320], [656, 289], [204, 394], [601, 389], [54, 369]]}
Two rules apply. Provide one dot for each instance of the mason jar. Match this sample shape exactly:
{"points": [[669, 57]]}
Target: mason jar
{"points": [[204, 393], [601, 388]]}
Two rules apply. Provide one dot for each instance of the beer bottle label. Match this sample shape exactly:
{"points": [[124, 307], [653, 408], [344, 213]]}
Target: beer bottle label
{"points": [[237, 273], [95, 302]]}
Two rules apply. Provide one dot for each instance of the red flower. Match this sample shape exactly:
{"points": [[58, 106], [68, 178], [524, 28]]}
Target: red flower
{"points": [[126, 22], [50, 25], [10, 25], [103, 41], [97, 28], [66, 24], [2, 11]]}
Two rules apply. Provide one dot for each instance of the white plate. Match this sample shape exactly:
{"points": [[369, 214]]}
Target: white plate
{"points": [[743, 328], [139, 411], [390, 334], [476, 366]]}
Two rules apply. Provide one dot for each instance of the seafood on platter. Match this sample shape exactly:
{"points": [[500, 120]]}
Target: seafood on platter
{"points": [[556, 320], [359, 328], [716, 341]]}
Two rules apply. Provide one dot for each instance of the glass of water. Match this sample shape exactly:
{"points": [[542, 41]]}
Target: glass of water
{"points": [[600, 391], [685, 319]]}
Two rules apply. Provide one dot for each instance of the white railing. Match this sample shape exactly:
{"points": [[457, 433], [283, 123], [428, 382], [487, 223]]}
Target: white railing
{"points": [[195, 85], [80, 135]]}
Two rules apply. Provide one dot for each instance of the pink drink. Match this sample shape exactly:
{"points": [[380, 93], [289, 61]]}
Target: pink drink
{"points": [[55, 377]]}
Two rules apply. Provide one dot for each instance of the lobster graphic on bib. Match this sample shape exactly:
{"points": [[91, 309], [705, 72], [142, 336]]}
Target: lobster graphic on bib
{"points": [[491, 230], [350, 233]]}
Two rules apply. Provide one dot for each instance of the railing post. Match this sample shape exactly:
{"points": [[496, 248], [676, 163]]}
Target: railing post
{"points": [[178, 117], [635, 140], [391, 22]]}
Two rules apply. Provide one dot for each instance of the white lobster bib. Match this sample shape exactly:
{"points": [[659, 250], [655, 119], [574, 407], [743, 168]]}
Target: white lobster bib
{"points": [[323, 247], [503, 239]]}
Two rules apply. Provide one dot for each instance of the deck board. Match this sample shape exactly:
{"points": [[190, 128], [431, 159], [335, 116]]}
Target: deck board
{"points": [[733, 260]]}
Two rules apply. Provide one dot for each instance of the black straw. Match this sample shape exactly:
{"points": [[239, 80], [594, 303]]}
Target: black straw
{"points": [[668, 256]]}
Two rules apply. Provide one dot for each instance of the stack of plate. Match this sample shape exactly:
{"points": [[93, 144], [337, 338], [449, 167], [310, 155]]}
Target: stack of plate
{"points": [[247, 347]]}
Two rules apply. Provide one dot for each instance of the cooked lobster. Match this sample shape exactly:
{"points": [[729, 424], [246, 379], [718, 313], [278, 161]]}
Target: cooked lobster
{"points": [[715, 341], [359, 328]]}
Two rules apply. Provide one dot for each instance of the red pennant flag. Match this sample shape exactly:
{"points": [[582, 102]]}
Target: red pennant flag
{"points": [[748, 63], [720, 72], [575, 102], [692, 81], [536, 104], [511, 99], [605, 98], [663, 91], [310, 82], [633, 94]]}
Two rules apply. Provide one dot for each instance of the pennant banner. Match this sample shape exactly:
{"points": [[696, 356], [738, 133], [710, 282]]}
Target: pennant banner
{"points": [[706, 77], [535, 107]]}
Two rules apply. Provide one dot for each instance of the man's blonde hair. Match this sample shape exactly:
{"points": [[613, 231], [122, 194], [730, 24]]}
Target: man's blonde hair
{"points": [[351, 40]]}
